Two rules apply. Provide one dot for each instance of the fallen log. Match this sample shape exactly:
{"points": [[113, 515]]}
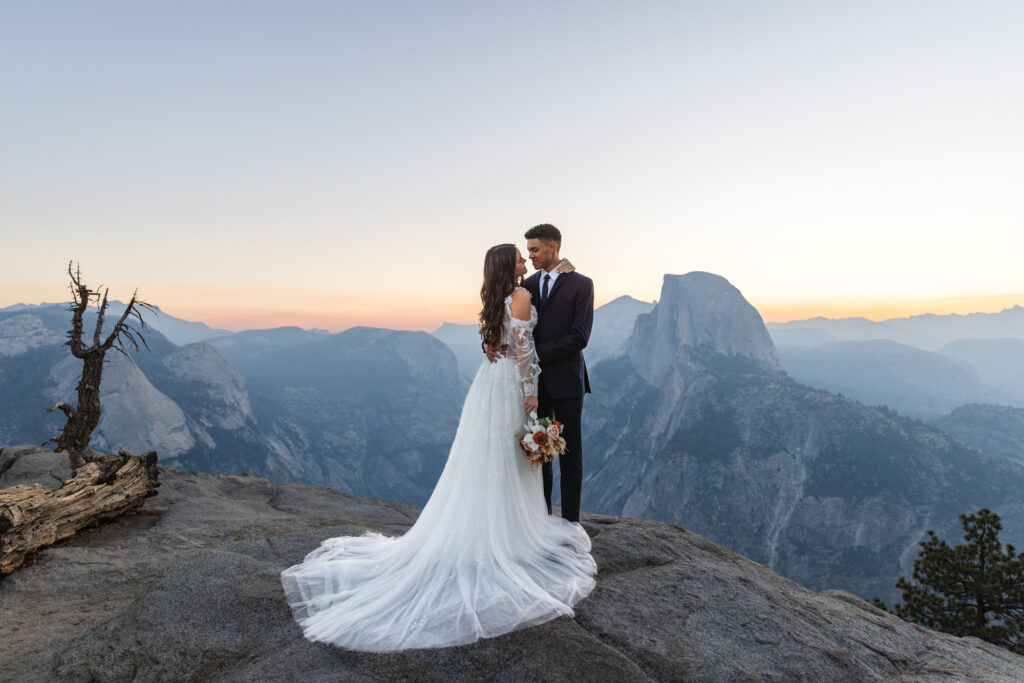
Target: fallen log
{"points": [[106, 486]]}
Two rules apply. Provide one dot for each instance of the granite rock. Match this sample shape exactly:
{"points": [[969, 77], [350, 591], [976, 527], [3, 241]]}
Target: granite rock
{"points": [[187, 589]]}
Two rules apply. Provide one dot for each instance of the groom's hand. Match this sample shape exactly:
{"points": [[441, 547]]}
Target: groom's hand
{"points": [[495, 352]]}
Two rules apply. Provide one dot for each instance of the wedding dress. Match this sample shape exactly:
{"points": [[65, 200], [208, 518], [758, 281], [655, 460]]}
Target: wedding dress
{"points": [[484, 558]]}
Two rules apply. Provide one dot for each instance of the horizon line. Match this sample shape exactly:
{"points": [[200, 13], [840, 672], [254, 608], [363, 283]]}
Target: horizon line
{"points": [[772, 312]]}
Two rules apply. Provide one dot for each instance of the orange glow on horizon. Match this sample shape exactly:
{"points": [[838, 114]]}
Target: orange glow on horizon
{"points": [[775, 312], [424, 318], [428, 316]]}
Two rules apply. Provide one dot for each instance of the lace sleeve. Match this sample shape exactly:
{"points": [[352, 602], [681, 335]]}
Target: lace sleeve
{"points": [[525, 354]]}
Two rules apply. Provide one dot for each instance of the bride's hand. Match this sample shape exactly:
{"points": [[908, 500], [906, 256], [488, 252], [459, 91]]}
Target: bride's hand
{"points": [[565, 266], [531, 404]]}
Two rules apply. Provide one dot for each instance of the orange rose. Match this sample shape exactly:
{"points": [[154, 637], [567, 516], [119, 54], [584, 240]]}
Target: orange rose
{"points": [[540, 438]]}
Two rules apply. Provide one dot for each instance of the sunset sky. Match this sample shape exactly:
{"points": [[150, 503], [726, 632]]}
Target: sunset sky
{"points": [[327, 164]]}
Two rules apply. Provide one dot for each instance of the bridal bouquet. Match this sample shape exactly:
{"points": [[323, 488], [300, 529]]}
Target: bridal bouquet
{"points": [[543, 440]]}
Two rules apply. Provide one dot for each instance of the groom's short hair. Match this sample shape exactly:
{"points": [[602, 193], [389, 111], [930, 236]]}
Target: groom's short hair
{"points": [[545, 232]]}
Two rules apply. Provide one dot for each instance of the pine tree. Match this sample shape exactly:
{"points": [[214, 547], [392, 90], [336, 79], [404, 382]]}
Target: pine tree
{"points": [[972, 589]]}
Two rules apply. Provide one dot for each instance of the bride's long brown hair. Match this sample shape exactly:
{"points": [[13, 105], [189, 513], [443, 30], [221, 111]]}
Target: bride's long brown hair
{"points": [[499, 281]]}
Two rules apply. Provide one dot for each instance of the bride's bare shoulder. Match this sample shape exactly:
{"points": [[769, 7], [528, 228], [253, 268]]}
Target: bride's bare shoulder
{"points": [[520, 304]]}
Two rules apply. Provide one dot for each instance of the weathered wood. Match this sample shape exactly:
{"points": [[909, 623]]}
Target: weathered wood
{"points": [[104, 487]]}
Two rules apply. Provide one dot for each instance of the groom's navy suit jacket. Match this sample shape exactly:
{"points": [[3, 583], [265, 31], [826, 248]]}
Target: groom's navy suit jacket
{"points": [[562, 332]]}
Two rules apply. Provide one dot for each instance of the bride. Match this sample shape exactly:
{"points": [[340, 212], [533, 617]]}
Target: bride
{"points": [[484, 558]]}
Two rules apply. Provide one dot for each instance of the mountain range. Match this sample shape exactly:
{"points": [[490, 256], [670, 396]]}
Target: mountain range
{"points": [[929, 331], [918, 383], [922, 366], [699, 424], [366, 411], [694, 420]]}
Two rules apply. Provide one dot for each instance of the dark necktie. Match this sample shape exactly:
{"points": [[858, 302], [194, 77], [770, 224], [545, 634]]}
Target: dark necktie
{"points": [[544, 289]]}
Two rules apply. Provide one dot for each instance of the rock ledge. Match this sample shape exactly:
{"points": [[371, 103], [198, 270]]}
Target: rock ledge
{"points": [[187, 588]]}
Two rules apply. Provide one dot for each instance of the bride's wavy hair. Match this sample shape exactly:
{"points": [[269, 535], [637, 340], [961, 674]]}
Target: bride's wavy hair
{"points": [[499, 281]]}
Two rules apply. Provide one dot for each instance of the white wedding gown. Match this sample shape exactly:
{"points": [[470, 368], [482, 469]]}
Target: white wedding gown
{"points": [[484, 558]]}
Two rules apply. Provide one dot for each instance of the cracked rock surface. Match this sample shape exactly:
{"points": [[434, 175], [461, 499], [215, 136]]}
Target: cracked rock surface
{"points": [[187, 589]]}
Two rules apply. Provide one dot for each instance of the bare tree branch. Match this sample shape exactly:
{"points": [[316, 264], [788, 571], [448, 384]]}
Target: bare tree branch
{"points": [[64, 408], [99, 320], [130, 309]]}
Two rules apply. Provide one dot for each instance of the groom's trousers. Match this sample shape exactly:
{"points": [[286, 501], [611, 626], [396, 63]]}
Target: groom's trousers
{"points": [[568, 411]]}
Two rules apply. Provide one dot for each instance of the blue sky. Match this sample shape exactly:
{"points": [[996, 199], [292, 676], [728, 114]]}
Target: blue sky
{"points": [[336, 163]]}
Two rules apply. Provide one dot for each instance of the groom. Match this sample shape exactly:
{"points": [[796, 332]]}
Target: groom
{"points": [[565, 314]]}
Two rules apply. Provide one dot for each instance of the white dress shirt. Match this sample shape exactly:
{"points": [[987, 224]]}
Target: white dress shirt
{"points": [[551, 283]]}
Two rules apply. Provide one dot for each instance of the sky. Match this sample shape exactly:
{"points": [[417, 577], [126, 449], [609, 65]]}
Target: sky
{"points": [[329, 164]]}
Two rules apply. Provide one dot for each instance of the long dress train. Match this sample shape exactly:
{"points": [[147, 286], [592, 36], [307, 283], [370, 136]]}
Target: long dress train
{"points": [[484, 558]]}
